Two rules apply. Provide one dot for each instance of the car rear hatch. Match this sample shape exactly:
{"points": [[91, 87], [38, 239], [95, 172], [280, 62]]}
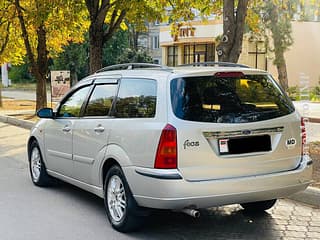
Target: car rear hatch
{"points": [[233, 125]]}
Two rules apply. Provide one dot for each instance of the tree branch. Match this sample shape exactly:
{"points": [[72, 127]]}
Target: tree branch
{"points": [[6, 40], [25, 35], [108, 33]]}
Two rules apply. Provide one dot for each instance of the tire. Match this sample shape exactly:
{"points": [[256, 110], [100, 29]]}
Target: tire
{"points": [[121, 208], [258, 206], [38, 172]]}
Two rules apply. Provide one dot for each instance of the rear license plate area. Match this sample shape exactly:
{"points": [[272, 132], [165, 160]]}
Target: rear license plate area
{"points": [[239, 145]]}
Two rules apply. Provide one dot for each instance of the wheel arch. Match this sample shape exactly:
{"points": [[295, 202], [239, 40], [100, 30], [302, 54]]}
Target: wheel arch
{"points": [[105, 168], [30, 141], [114, 155], [41, 146]]}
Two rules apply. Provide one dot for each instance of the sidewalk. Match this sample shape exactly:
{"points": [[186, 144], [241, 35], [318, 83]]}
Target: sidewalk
{"points": [[310, 196]]}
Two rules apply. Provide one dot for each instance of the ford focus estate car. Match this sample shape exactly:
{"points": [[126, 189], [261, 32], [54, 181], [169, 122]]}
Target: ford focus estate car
{"points": [[148, 137]]}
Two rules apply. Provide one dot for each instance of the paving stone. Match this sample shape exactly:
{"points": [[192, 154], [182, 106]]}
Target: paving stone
{"points": [[314, 229], [297, 228], [313, 235], [314, 223], [295, 234], [298, 223]]}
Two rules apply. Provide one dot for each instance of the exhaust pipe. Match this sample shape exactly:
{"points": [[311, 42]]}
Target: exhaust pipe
{"points": [[191, 212]]}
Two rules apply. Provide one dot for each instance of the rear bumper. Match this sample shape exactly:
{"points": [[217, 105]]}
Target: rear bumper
{"points": [[174, 193]]}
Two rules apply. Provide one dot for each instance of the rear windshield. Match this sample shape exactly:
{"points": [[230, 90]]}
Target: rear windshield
{"points": [[247, 98]]}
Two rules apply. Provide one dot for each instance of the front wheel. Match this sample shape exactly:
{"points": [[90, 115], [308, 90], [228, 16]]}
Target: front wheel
{"points": [[120, 205], [38, 172], [258, 206]]}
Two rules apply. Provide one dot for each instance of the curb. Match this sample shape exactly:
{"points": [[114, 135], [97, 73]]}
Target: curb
{"points": [[16, 122], [310, 196]]}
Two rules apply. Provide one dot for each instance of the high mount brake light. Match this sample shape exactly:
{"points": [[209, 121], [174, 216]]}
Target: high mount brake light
{"points": [[166, 157], [229, 74]]}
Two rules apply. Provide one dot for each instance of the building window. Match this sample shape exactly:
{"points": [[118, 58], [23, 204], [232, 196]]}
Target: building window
{"points": [[172, 59], [155, 42], [198, 53], [156, 61]]}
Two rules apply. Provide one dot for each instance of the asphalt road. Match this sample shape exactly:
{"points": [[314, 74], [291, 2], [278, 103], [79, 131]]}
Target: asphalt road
{"points": [[21, 95], [65, 212]]}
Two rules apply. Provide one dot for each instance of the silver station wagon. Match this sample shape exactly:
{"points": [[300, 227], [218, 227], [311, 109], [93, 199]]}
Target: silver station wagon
{"points": [[146, 137]]}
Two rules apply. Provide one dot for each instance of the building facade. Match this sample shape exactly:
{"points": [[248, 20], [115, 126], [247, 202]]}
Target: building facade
{"points": [[197, 42]]}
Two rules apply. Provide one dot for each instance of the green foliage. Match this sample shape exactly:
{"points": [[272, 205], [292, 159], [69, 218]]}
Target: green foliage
{"points": [[74, 58], [21, 74], [116, 50], [296, 94], [115, 47], [134, 56]]}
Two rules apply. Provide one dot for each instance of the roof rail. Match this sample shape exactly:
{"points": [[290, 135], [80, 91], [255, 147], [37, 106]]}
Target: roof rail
{"points": [[220, 64], [130, 66]]}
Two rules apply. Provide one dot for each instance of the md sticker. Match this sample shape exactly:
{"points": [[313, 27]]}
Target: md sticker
{"points": [[291, 143]]}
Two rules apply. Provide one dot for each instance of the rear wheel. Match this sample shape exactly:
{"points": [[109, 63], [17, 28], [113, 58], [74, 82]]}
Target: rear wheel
{"points": [[38, 172], [121, 207], [259, 206]]}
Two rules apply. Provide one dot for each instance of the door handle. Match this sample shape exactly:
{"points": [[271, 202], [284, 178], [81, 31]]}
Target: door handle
{"points": [[99, 129], [66, 129]]}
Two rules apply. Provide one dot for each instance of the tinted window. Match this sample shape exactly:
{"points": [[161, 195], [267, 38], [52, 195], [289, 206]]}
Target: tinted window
{"points": [[136, 99], [101, 100], [228, 99], [71, 107]]}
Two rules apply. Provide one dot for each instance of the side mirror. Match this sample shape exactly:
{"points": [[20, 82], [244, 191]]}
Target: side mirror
{"points": [[45, 113]]}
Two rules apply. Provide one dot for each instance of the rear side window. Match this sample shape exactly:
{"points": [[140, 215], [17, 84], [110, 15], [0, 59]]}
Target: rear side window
{"points": [[100, 101], [136, 99], [247, 98]]}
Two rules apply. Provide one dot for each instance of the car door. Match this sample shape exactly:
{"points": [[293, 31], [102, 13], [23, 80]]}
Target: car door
{"points": [[91, 131], [59, 131]]}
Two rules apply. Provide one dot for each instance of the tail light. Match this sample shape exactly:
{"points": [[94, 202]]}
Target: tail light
{"points": [[303, 136], [166, 157]]}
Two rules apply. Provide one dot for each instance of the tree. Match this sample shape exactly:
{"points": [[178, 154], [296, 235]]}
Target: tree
{"points": [[234, 18], [277, 18], [230, 46], [106, 17], [74, 58], [39, 30]]}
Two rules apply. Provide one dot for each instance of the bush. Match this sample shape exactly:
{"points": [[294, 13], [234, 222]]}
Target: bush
{"points": [[21, 74]]}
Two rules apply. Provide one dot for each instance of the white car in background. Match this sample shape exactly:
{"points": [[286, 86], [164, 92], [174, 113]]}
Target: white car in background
{"points": [[144, 136]]}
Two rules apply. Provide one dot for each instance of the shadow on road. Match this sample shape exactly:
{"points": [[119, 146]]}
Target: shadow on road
{"points": [[229, 222]]}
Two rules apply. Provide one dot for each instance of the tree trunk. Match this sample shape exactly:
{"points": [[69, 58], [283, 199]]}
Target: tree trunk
{"points": [[229, 49], [98, 35], [39, 68], [96, 46], [279, 61], [282, 75]]}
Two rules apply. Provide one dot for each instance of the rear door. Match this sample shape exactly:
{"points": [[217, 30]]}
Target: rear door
{"points": [[91, 131], [233, 125]]}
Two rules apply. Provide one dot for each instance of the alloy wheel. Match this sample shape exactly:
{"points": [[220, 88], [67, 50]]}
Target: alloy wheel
{"points": [[35, 164], [116, 198]]}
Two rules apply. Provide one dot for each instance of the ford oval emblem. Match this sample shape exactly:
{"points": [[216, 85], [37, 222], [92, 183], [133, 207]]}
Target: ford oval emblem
{"points": [[246, 132]]}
